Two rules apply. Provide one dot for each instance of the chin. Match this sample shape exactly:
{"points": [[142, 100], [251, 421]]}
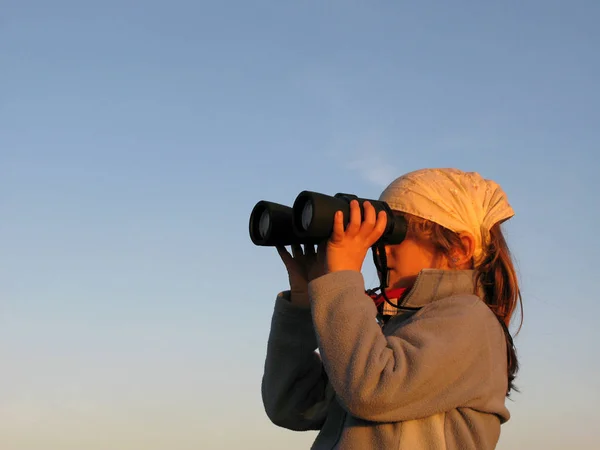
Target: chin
{"points": [[392, 277]]}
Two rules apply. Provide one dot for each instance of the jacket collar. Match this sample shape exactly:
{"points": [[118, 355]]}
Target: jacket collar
{"points": [[435, 284]]}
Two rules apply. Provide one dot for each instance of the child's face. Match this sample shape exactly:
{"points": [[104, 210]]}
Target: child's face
{"points": [[408, 258]]}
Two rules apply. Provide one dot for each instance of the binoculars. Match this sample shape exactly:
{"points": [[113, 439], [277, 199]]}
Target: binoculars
{"points": [[310, 220]]}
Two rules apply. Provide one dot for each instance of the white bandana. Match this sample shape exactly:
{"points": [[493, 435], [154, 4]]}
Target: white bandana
{"points": [[459, 201]]}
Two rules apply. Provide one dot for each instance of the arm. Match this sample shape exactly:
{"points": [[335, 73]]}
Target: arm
{"points": [[294, 382], [443, 357]]}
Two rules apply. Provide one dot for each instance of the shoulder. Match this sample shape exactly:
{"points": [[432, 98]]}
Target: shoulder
{"points": [[461, 315], [467, 306]]}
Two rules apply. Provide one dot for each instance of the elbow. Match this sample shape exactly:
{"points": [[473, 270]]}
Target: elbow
{"points": [[276, 413], [287, 412], [280, 411], [287, 419], [273, 406], [277, 417]]}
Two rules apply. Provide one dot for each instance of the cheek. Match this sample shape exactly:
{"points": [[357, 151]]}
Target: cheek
{"points": [[400, 258], [410, 258]]}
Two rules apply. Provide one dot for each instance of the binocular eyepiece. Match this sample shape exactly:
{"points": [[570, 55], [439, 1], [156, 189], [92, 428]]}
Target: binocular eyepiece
{"points": [[310, 220]]}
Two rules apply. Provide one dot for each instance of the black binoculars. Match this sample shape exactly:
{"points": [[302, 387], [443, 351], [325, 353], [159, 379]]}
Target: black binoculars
{"points": [[310, 220]]}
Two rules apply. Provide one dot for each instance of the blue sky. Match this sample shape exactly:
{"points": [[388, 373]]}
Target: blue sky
{"points": [[135, 138]]}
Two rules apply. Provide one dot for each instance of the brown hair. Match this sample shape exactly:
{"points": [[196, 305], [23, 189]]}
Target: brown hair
{"points": [[495, 275]]}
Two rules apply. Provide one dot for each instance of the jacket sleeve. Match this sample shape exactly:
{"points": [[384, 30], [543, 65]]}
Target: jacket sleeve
{"points": [[294, 381], [445, 356]]}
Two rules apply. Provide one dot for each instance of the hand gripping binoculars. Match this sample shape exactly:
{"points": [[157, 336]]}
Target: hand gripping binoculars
{"points": [[310, 220]]}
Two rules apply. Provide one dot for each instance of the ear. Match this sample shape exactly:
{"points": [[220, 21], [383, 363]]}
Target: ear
{"points": [[462, 257]]}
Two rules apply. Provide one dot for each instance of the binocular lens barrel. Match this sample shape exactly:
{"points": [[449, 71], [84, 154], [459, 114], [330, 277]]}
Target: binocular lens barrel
{"points": [[264, 224], [313, 214], [271, 224], [307, 215], [310, 220]]}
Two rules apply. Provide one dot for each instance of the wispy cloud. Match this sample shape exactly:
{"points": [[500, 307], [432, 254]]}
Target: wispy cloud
{"points": [[360, 150], [373, 168], [367, 159]]}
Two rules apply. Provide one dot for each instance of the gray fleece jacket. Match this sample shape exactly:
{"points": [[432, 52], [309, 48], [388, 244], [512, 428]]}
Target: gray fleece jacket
{"points": [[430, 379]]}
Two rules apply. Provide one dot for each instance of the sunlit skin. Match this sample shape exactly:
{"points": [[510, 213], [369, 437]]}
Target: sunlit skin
{"points": [[407, 259], [348, 247]]}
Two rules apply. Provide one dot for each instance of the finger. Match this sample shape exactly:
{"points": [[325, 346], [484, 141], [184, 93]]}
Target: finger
{"points": [[322, 251], [284, 254], [338, 228], [369, 222], [322, 248], [297, 251], [379, 228], [309, 253], [355, 220]]}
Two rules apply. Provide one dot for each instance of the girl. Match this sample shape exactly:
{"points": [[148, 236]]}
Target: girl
{"points": [[434, 371]]}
